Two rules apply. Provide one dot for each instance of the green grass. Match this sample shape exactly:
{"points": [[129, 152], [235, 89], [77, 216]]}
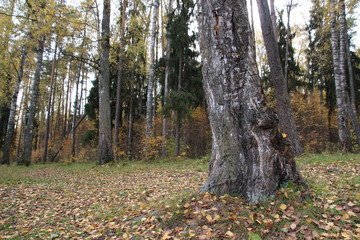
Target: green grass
{"points": [[88, 200]]}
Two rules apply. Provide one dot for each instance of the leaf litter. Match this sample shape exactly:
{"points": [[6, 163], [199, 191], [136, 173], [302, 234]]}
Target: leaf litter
{"points": [[162, 202]]}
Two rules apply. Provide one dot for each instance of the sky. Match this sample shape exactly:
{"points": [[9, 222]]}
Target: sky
{"points": [[300, 15]]}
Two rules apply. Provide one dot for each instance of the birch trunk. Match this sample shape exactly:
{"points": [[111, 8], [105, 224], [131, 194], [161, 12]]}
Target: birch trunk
{"points": [[343, 125], [249, 156], [119, 79], [11, 122], [105, 146], [28, 135], [284, 110], [149, 97], [343, 41]]}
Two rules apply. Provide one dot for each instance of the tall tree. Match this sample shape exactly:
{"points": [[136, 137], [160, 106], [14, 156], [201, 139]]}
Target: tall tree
{"points": [[284, 110], [273, 17], [120, 76], [343, 43], [39, 30], [11, 122], [249, 156], [150, 85], [50, 100], [341, 101], [105, 146], [166, 80]]}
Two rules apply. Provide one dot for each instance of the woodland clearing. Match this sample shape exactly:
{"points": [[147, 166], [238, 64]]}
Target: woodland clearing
{"points": [[160, 200]]}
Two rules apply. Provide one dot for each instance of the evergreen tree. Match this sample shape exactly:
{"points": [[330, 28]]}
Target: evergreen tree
{"points": [[185, 73]]}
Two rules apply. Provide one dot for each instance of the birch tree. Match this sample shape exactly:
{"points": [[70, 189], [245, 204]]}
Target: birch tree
{"points": [[343, 125], [249, 155], [150, 85]]}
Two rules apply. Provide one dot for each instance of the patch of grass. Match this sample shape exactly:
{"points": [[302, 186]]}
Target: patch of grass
{"points": [[97, 202]]}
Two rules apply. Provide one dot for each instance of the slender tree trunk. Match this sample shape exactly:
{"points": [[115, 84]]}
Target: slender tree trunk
{"points": [[66, 112], [24, 101], [288, 35], [11, 122], [119, 79], [149, 98], [343, 41], [49, 112], [343, 125], [253, 27], [284, 110], [273, 17], [166, 86], [178, 113], [351, 75], [75, 112], [28, 135], [130, 121], [249, 156], [105, 146]]}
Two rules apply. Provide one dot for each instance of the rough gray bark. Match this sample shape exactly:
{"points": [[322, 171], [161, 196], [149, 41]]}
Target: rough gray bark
{"points": [[150, 86], [30, 117], [343, 50], [284, 109], [105, 145], [249, 156], [119, 79], [166, 84], [341, 101], [49, 112], [11, 122]]}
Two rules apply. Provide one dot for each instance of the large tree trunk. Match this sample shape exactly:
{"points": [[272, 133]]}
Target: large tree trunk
{"points": [[11, 122], [30, 118], [249, 156], [284, 110], [150, 86], [105, 146], [166, 84], [341, 101], [50, 100]]}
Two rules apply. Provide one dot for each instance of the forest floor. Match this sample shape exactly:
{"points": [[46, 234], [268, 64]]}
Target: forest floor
{"points": [[160, 200]]}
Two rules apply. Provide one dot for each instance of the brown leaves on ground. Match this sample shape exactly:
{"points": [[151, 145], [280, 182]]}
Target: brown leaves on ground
{"points": [[160, 201]]}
